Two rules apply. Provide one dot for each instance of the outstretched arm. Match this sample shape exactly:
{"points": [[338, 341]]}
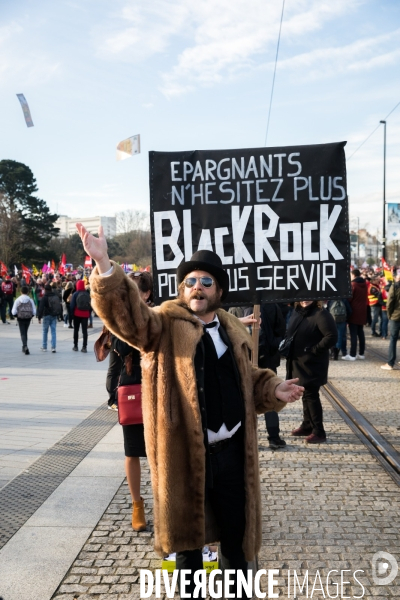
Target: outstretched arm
{"points": [[271, 393], [95, 247], [289, 391], [116, 299]]}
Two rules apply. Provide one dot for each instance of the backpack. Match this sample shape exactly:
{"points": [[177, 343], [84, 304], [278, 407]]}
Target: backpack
{"points": [[83, 301], [24, 310], [8, 288], [54, 305], [338, 311]]}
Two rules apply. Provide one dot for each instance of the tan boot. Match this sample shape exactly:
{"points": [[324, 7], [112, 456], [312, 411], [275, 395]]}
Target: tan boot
{"points": [[138, 518]]}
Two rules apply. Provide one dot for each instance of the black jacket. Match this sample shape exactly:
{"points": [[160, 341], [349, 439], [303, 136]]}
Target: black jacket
{"points": [[129, 370], [272, 332], [44, 309], [309, 356]]}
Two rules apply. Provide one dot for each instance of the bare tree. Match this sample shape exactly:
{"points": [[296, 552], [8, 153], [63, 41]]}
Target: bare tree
{"points": [[10, 231], [132, 220]]}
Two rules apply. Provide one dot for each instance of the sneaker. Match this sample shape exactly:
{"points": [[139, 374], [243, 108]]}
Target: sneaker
{"points": [[315, 439], [70, 327], [75, 348], [113, 406], [360, 357], [84, 349], [374, 334], [387, 367], [300, 432], [43, 349], [6, 323], [27, 351], [277, 443], [65, 325], [348, 357], [53, 350]]}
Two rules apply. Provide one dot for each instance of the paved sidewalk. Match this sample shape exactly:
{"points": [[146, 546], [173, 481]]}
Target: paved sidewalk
{"points": [[43, 395]]}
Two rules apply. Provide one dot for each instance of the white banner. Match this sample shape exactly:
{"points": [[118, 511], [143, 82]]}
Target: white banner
{"points": [[393, 222]]}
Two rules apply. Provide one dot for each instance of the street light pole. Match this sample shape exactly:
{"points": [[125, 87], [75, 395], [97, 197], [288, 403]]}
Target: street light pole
{"points": [[384, 192]]}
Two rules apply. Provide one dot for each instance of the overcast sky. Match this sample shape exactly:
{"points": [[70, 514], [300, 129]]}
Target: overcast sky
{"points": [[192, 75]]}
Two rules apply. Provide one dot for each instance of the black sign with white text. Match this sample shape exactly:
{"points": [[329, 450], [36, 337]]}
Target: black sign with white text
{"points": [[277, 217]]}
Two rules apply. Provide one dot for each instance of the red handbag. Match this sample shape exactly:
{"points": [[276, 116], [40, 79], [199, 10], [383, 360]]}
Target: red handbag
{"points": [[130, 404]]}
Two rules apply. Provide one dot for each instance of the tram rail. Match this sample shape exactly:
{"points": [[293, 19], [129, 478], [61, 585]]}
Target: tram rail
{"points": [[380, 448]]}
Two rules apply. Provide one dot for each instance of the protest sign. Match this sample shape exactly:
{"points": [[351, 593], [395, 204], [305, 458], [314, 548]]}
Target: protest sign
{"points": [[277, 217], [25, 110]]}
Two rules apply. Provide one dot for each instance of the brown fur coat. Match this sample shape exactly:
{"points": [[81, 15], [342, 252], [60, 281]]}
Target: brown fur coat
{"points": [[167, 337]]}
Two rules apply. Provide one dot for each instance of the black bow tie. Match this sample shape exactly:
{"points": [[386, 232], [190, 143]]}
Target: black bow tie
{"points": [[210, 325]]}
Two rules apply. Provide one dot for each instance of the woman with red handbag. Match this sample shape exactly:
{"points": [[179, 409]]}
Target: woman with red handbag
{"points": [[131, 375]]}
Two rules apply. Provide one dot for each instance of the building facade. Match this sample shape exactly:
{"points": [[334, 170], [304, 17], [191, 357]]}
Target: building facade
{"points": [[67, 225]]}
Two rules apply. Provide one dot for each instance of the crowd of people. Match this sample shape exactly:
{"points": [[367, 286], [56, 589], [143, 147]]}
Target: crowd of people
{"points": [[52, 299]]}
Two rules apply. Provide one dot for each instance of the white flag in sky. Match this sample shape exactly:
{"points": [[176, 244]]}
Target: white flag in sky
{"points": [[25, 110], [128, 147]]}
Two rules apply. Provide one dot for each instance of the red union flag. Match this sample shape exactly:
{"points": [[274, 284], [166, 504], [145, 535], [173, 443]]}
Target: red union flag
{"points": [[385, 265], [88, 262], [3, 269], [386, 270], [26, 273]]}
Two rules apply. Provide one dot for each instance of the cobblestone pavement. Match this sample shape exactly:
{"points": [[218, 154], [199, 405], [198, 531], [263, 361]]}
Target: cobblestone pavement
{"points": [[373, 391], [324, 507]]}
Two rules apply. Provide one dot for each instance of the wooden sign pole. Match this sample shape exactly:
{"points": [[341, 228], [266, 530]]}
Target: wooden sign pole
{"points": [[255, 335]]}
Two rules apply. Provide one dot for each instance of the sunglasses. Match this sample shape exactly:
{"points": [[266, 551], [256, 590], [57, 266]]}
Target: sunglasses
{"points": [[206, 282]]}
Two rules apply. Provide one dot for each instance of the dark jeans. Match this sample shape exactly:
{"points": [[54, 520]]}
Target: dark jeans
{"points": [[375, 315], [357, 331], [384, 324], [23, 329], [7, 301], [227, 499], [3, 308], [312, 412], [341, 343], [67, 315], [272, 424], [394, 329], [78, 321]]}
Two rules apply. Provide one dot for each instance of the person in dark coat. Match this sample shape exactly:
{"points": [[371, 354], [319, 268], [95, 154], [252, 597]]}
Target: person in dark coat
{"points": [[80, 315], [358, 317], [314, 331], [341, 320], [272, 332], [124, 369]]}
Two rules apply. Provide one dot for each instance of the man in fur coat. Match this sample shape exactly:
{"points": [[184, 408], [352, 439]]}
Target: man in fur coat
{"points": [[200, 398]]}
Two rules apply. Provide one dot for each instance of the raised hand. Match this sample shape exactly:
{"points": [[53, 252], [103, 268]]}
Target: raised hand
{"points": [[96, 248], [288, 391]]}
